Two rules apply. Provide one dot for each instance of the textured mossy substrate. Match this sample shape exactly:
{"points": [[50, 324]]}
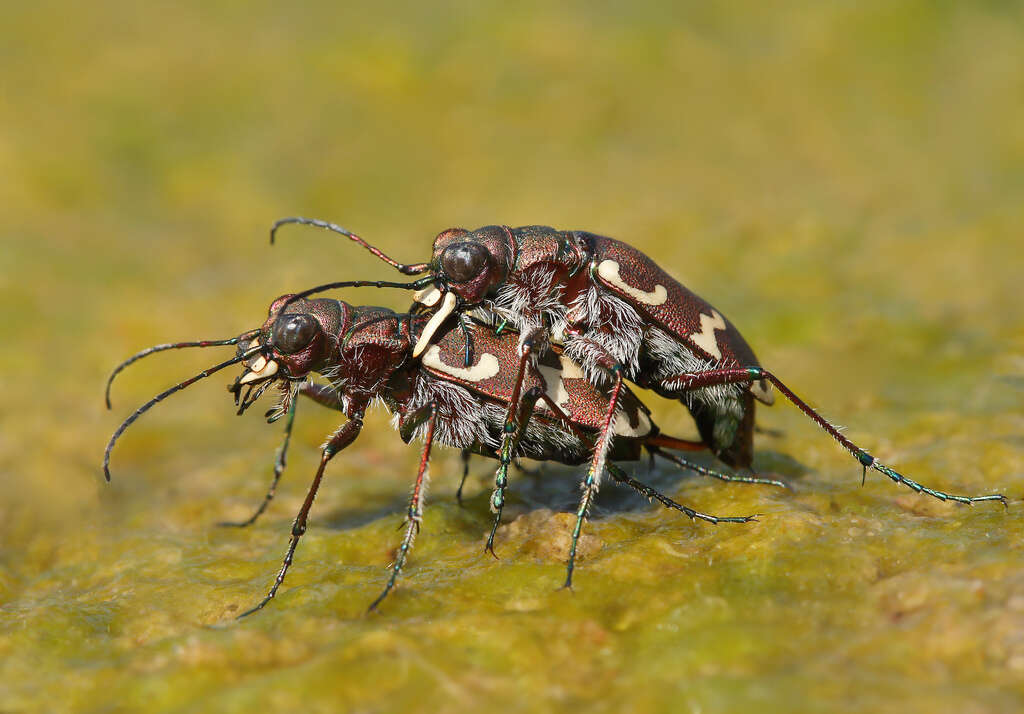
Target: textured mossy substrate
{"points": [[844, 181]]}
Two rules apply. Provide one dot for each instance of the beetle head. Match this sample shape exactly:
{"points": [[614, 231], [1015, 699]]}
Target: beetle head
{"points": [[467, 267], [472, 264], [296, 339]]}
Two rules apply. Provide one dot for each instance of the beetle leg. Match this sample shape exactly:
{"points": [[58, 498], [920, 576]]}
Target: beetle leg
{"points": [[686, 464], [597, 465], [279, 464], [740, 375], [323, 394], [341, 438], [649, 493], [320, 393], [671, 442], [605, 362], [415, 515], [413, 269], [516, 417], [464, 455]]}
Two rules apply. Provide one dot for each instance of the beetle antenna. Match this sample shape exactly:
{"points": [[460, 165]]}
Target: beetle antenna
{"points": [[414, 285], [162, 396], [171, 346], [397, 317], [412, 269]]}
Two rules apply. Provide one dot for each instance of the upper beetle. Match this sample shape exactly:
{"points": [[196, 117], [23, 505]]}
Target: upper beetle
{"points": [[608, 304]]}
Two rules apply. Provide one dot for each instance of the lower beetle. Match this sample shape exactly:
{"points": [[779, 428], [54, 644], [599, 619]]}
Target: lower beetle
{"points": [[365, 354]]}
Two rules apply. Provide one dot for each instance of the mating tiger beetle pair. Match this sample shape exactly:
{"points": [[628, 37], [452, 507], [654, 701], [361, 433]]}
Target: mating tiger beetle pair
{"points": [[519, 343]]}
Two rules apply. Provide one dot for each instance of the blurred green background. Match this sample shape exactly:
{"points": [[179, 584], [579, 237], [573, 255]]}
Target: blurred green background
{"points": [[844, 180]]}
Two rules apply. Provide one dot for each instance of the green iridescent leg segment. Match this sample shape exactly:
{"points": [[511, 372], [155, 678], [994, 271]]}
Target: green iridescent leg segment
{"points": [[516, 417], [597, 466], [649, 493], [510, 439], [680, 461], [741, 375]]}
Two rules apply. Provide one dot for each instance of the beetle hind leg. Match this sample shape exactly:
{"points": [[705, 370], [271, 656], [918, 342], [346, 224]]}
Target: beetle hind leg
{"points": [[720, 475], [649, 493], [740, 375]]}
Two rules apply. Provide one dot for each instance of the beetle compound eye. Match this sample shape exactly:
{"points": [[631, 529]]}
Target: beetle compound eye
{"points": [[294, 332], [464, 261]]}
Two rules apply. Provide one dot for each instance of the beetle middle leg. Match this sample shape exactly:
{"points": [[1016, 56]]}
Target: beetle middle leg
{"points": [[613, 369], [516, 416], [414, 517], [464, 456], [592, 481]]}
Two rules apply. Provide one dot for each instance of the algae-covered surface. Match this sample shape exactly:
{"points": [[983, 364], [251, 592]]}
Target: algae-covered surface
{"points": [[845, 181]]}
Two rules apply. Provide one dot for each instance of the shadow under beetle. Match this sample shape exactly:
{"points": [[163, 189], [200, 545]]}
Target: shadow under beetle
{"points": [[365, 354], [618, 315]]}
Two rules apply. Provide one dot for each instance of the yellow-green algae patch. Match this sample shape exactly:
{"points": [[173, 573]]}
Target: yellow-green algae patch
{"points": [[844, 181]]}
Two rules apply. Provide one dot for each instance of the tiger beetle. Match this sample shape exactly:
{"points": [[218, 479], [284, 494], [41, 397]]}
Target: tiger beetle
{"points": [[614, 312], [365, 353]]}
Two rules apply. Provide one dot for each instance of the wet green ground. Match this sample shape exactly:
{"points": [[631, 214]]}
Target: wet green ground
{"points": [[845, 181]]}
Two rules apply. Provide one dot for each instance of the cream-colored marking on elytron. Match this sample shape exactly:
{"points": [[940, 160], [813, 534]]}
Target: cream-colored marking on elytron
{"points": [[447, 305], [427, 296], [486, 368], [268, 370], [554, 379], [622, 427], [705, 339], [609, 271]]}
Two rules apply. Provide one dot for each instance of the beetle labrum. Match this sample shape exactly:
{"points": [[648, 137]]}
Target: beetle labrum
{"points": [[365, 354], [617, 314]]}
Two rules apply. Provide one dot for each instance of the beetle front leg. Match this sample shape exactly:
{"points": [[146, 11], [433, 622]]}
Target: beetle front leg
{"points": [[415, 515], [341, 438], [741, 375], [279, 464]]}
